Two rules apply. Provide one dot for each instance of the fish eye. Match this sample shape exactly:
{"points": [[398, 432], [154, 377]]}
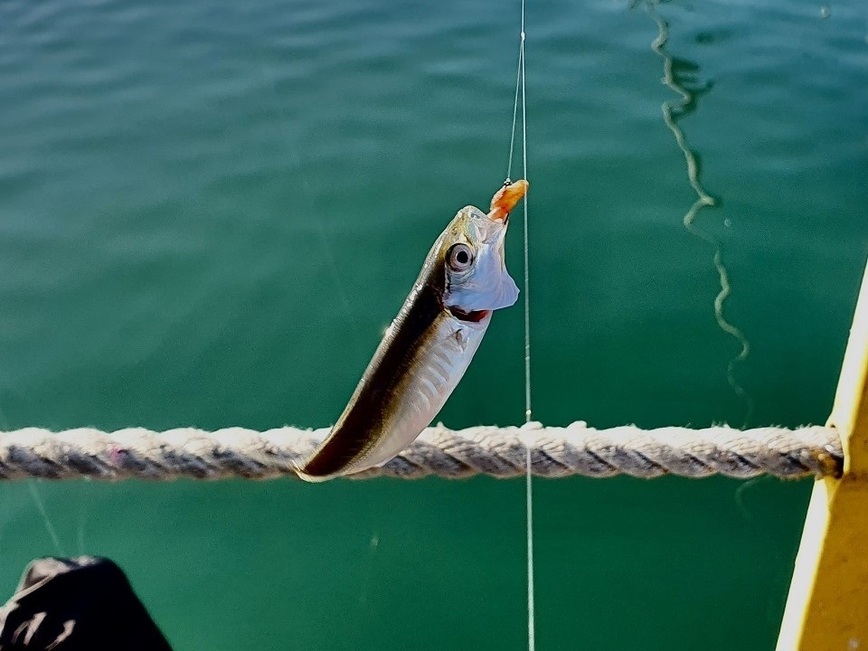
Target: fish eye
{"points": [[459, 257]]}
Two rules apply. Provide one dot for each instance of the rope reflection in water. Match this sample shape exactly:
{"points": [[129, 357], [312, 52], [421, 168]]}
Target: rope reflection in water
{"points": [[673, 111]]}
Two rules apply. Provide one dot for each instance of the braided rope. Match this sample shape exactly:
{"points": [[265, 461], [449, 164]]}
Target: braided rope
{"points": [[496, 451]]}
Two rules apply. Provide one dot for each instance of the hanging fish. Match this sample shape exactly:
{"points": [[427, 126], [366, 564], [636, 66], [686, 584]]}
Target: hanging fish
{"points": [[429, 345]]}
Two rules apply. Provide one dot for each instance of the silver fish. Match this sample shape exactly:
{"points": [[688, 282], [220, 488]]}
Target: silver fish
{"points": [[428, 346]]}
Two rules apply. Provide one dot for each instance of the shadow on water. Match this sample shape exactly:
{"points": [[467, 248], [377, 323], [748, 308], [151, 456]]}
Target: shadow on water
{"points": [[682, 77]]}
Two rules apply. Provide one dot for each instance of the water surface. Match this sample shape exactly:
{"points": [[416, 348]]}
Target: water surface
{"points": [[209, 212]]}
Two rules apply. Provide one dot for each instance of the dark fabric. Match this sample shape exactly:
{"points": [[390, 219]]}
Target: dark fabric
{"points": [[72, 604]]}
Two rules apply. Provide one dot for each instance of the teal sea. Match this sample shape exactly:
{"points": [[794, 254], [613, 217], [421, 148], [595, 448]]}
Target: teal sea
{"points": [[209, 212]]}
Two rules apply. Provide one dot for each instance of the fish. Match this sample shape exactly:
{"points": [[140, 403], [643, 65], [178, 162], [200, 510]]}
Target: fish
{"points": [[429, 345]]}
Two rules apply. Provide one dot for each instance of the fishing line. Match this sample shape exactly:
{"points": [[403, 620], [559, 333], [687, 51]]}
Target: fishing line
{"points": [[515, 110], [307, 196], [49, 527], [37, 499], [703, 200], [520, 91]]}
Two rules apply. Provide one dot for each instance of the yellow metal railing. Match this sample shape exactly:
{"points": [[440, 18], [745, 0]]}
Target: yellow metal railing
{"points": [[827, 606]]}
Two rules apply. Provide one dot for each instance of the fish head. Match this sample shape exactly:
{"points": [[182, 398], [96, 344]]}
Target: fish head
{"points": [[471, 252]]}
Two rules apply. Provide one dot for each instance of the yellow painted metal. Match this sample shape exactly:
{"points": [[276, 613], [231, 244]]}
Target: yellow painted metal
{"points": [[827, 606]]}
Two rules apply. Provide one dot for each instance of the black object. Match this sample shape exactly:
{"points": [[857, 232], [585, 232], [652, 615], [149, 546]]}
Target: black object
{"points": [[77, 604]]}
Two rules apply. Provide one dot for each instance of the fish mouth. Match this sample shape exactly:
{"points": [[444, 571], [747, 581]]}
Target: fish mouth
{"points": [[506, 198], [474, 316]]}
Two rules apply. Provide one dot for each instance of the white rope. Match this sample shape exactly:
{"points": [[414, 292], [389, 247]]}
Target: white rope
{"points": [[495, 451]]}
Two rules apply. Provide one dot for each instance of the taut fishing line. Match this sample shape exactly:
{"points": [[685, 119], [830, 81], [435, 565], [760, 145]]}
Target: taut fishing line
{"points": [[520, 92], [308, 204], [35, 495]]}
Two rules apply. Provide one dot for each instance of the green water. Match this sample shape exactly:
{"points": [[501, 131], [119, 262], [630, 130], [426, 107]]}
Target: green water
{"points": [[209, 213]]}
